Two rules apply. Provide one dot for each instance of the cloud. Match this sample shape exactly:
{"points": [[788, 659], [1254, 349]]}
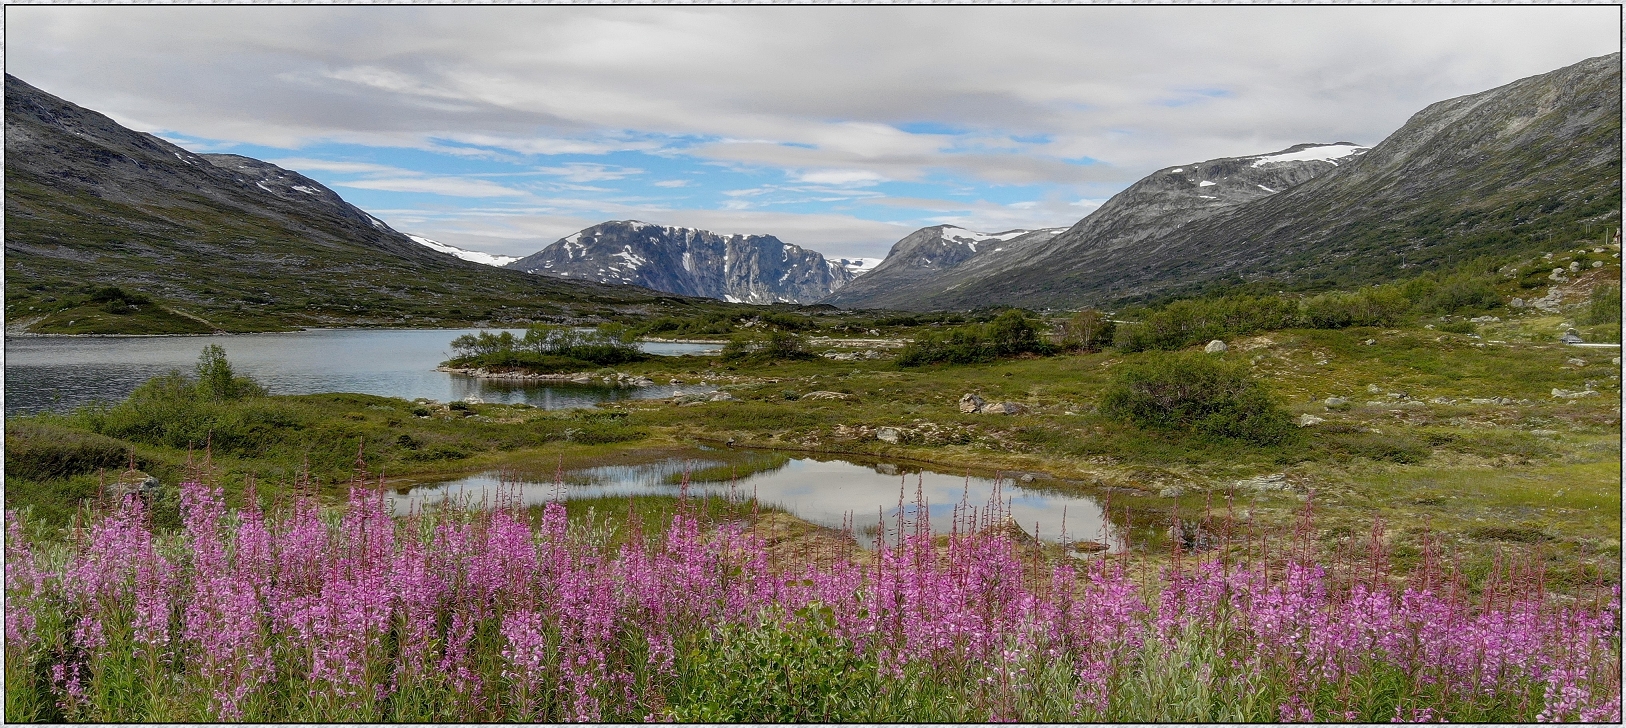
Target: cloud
{"points": [[855, 177], [673, 183], [588, 172], [299, 164], [449, 186]]}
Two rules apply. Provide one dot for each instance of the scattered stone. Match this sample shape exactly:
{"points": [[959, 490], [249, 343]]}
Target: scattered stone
{"points": [[1192, 536], [675, 382], [1026, 478], [1544, 433], [1575, 362], [133, 482], [1615, 361], [1374, 389], [970, 403], [1517, 303], [641, 382], [582, 378], [1337, 403], [1399, 396], [473, 399], [1215, 347], [721, 397], [1277, 481], [827, 395], [1575, 266], [1370, 342], [1173, 491], [1002, 408], [889, 434], [1567, 394], [1442, 400], [1486, 319], [1307, 420], [1597, 264], [1090, 547]]}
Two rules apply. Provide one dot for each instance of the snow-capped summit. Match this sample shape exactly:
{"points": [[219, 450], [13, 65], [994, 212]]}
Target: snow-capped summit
{"points": [[737, 268]]}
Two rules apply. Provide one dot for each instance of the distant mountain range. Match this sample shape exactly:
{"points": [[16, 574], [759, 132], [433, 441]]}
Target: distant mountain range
{"points": [[926, 257], [736, 268], [224, 242], [1492, 173]]}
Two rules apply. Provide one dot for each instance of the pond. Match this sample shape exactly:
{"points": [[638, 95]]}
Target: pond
{"points": [[828, 492], [59, 373]]}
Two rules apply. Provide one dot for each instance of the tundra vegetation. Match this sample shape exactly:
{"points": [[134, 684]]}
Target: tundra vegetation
{"points": [[1396, 502]]}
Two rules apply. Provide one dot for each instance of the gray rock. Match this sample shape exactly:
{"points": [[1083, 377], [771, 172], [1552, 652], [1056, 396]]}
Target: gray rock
{"points": [[1336, 403], [1173, 491], [1572, 337], [1215, 347], [1575, 266], [1575, 362], [1307, 420], [1517, 303], [1026, 478], [889, 434], [721, 397], [1442, 400], [1544, 433], [1374, 389], [1567, 394], [1003, 408], [970, 403]]}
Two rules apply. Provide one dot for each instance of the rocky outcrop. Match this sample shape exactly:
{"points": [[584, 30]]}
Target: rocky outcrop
{"points": [[738, 268]]}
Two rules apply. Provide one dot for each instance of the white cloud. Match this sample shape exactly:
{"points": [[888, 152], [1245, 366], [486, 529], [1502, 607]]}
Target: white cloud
{"points": [[856, 177], [672, 183], [449, 186], [586, 172]]}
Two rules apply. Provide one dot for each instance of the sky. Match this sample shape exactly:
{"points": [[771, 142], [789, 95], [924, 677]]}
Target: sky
{"points": [[838, 128]]}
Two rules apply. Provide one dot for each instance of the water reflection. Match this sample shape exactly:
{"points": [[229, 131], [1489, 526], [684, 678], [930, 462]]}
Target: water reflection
{"points": [[61, 373], [826, 492]]}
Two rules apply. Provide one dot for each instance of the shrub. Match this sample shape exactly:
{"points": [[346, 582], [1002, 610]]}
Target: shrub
{"points": [[1199, 393], [1011, 333], [1087, 330], [779, 673], [1604, 305], [217, 380], [763, 347], [549, 348]]}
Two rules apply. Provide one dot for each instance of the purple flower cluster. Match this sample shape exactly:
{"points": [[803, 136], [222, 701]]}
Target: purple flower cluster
{"points": [[308, 614]]}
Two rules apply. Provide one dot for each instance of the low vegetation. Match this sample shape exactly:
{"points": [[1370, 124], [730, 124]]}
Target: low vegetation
{"points": [[547, 348]]}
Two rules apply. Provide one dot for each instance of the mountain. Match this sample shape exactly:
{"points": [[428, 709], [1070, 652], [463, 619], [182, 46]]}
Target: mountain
{"points": [[1498, 172], [205, 242], [924, 257], [473, 256], [738, 268]]}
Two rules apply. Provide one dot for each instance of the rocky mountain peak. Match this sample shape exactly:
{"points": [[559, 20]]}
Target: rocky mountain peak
{"points": [[743, 268]]}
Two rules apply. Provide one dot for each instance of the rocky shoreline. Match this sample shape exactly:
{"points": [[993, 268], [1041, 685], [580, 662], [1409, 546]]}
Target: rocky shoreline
{"points": [[618, 379]]}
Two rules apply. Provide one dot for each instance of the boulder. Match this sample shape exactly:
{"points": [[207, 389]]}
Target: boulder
{"points": [[641, 382], [1308, 420], [1089, 547], [1215, 347], [721, 397], [1572, 337], [1575, 362], [1173, 491], [971, 403], [889, 434], [1517, 303], [1333, 403], [133, 482]]}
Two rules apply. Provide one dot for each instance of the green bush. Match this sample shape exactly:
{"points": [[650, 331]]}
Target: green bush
{"points": [[548, 348], [1194, 321], [776, 344], [1009, 334], [1604, 305], [1199, 393]]}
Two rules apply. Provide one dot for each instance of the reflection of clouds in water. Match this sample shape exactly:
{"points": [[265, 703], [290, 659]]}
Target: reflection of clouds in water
{"points": [[826, 493]]}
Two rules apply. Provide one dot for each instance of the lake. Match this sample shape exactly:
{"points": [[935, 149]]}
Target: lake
{"points": [[59, 373], [821, 491]]}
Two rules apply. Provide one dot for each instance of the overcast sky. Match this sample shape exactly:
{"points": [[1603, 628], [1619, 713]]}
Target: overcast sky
{"points": [[839, 128]]}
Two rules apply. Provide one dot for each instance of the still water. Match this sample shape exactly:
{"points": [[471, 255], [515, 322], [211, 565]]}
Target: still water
{"points": [[826, 492], [61, 373]]}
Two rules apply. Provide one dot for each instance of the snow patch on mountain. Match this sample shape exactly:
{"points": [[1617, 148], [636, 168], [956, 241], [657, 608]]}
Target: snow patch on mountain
{"points": [[473, 256], [1327, 154]]}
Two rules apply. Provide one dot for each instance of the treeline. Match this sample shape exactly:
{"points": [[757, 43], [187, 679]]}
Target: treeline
{"points": [[548, 348], [1010, 334]]}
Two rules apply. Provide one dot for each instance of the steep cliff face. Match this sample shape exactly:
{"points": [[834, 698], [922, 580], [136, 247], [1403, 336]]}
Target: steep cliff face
{"points": [[738, 268], [1491, 173]]}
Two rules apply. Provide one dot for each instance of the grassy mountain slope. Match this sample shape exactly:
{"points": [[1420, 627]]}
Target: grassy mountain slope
{"points": [[1522, 168], [220, 242]]}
